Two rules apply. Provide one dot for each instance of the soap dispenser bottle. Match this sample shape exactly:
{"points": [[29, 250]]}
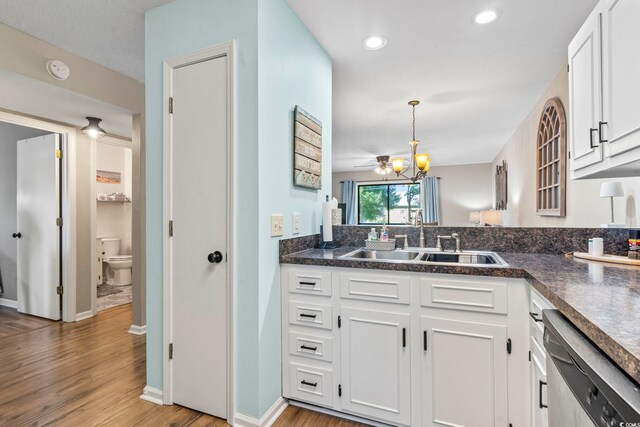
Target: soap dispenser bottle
{"points": [[373, 235]]}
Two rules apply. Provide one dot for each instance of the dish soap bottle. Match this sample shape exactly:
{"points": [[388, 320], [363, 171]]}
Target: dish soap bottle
{"points": [[384, 234], [373, 235]]}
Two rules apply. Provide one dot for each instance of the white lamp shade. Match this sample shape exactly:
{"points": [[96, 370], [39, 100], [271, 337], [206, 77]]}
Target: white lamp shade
{"points": [[474, 216], [611, 189], [491, 217]]}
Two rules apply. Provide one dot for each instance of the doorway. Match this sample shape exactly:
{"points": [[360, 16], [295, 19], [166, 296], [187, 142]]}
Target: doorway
{"points": [[37, 263], [198, 225]]}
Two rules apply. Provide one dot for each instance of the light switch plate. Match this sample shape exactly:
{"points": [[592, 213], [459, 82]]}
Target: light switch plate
{"points": [[277, 221], [295, 223]]}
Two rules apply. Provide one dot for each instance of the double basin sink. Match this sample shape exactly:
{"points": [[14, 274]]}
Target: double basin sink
{"points": [[428, 256]]}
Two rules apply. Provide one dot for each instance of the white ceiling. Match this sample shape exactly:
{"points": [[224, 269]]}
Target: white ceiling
{"points": [[476, 83], [108, 32], [36, 98]]}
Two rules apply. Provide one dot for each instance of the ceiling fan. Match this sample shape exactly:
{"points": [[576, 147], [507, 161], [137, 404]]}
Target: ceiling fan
{"points": [[382, 165]]}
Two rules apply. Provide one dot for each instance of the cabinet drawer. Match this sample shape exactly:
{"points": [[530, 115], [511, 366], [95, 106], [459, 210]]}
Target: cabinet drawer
{"points": [[536, 305], [311, 384], [375, 287], [538, 356], [475, 294], [313, 315], [311, 346], [310, 282]]}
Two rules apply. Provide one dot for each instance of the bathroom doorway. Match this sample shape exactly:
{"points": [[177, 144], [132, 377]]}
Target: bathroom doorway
{"points": [[113, 223]]}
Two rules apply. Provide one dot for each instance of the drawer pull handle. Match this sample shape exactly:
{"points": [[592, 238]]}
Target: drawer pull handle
{"points": [[404, 337], [304, 382], [424, 339], [308, 283], [310, 316], [535, 317], [306, 347], [540, 384]]}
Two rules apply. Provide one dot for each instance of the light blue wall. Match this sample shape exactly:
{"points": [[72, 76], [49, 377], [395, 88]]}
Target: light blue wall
{"points": [[293, 70], [181, 27], [279, 64]]}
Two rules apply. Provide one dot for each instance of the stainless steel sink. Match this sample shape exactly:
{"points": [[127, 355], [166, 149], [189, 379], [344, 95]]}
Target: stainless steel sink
{"points": [[397, 255], [465, 258]]}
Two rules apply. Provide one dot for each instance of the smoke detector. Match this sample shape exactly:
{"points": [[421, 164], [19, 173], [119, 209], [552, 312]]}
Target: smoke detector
{"points": [[58, 70]]}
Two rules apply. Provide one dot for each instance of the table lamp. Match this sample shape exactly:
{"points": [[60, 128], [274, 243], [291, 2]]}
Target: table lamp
{"points": [[611, 190]]}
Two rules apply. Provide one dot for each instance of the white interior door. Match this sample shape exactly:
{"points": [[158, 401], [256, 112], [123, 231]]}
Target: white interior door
{"points": [[198, 209], [38, 241]]}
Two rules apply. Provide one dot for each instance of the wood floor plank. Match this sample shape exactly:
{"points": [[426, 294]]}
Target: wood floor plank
{"points": [[91, 373]]}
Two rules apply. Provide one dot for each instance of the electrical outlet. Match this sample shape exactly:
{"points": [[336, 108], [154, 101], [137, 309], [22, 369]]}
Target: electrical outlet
{"points": [[295, 223], [277, 221]]}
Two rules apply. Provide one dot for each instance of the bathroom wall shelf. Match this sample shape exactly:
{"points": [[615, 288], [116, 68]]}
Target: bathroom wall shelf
{"points": [[113, 201]]}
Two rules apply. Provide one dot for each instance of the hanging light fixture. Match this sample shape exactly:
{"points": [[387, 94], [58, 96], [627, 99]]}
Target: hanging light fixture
{"points": [[383, 167], [419, 163], [93, 129]]}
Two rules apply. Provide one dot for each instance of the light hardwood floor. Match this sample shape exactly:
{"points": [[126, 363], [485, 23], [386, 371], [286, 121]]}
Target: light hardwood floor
{"points": [[91, 373]]}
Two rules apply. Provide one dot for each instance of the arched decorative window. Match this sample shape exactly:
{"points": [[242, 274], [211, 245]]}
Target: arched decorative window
{"points": [[551, 163]]}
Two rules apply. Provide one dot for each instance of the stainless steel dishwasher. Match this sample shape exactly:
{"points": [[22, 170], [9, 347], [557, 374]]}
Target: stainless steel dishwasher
{"points": [[585, 388]]}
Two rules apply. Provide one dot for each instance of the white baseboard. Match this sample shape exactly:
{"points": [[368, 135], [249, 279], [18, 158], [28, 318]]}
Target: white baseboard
{"points": [[8, 303], [267, 419], [153, 395], [138, 330], [84, 315]]}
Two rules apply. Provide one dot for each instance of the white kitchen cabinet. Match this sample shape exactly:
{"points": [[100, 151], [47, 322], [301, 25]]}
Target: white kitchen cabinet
{"points": [[539, 402], [621, 68], [604, 93], [464, 373], [376, 364], [585, 103]]}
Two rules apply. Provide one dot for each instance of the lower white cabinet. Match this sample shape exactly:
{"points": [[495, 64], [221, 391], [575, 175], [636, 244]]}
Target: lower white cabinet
{"points": [[539, 402], [376, 364], [407, 349], [464, 373]]}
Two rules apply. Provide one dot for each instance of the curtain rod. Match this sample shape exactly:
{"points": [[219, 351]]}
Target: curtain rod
{"points": [[386, 180]]}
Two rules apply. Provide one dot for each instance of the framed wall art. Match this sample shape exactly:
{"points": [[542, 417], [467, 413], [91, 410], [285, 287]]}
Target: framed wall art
{"points": [[307, 150]]}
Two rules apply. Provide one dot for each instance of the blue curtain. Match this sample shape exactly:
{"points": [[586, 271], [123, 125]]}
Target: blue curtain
{"points": [[350, 199], [430, 199]]}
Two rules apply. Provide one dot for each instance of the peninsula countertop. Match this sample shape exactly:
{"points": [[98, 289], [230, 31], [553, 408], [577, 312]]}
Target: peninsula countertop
{"points": [[602, 300]]}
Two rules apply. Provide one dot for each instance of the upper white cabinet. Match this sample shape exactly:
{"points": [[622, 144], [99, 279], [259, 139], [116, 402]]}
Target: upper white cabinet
{"points": [[585, 104], [604, 93]]}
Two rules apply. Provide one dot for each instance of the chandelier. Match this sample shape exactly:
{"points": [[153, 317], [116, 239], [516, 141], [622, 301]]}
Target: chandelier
{"points": [[419, 163]]}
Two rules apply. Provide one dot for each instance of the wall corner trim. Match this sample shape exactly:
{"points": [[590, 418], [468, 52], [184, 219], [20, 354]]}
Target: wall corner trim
{"points": [[266, 420], [138, 330], [153, 395], [8, 303]]}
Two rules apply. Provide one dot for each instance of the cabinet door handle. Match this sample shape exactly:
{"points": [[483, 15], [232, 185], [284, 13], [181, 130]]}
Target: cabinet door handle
{"points": [[600, 132], [592, 130], [304, 382], [404, 337], [424, 340], [308, 283], [310, 316], [535, 317], [305, 347], [540, 384]]}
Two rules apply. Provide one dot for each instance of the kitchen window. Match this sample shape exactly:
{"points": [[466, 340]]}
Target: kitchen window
{"points": [[388, 203]]}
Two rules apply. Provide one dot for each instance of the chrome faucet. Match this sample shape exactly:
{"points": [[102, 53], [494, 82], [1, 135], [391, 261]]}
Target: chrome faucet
{"points": [[419, 222], [454, 236]]}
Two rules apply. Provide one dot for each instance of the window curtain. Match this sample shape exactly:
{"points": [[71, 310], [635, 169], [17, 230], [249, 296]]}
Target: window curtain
{"points": [[430, 199], [350, 199]]}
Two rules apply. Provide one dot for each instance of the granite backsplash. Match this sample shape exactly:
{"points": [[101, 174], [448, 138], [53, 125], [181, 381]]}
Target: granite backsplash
{"points": [[537, 240]]}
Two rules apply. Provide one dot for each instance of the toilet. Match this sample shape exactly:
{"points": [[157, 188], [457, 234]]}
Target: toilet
{"points": [[117, 267]]}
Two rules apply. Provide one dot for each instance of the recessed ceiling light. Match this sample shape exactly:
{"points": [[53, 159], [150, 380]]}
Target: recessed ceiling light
{"points": [[485, 16], [374, 42]]}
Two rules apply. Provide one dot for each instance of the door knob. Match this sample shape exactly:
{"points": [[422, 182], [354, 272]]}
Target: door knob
{"points": [[215, 258], [17, 235]]}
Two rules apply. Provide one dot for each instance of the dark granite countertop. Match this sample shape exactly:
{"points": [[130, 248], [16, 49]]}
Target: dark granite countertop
{"points": [[602, 300]]}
